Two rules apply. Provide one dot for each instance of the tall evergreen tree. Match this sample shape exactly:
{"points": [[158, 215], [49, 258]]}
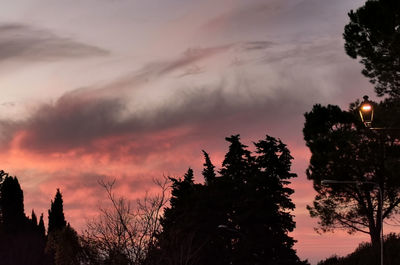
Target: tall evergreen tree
{"points": [[208, 171], [188, 177], [267, 190], [237, 162], [12, 205], [20, 240], [65, 246], [241, 217], [34, 218], [56, 214], [41, 228]]}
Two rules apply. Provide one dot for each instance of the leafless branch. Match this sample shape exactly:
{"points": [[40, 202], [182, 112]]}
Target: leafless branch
{"points": [[126, 230]]}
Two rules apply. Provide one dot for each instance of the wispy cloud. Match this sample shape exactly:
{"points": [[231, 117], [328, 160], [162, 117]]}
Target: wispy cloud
{"points": [[181, 65], [80, 123], [27, 43]]}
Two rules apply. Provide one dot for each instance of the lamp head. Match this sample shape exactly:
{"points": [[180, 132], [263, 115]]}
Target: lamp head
{"points": [[366, 111]]}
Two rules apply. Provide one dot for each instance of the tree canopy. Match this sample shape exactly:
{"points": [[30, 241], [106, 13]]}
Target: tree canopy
{"points": [[242, 215], [343, 149], [373, 34]]}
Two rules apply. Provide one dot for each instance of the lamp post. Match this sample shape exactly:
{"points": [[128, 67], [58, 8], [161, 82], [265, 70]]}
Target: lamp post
{"points": [[366, 111], [327, 182]]}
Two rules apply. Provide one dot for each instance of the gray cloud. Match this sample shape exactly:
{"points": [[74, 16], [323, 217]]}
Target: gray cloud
{"points": [[73, 122], [185, 64], [189, 57], [257, 45], [26, 43], [80, 118]]}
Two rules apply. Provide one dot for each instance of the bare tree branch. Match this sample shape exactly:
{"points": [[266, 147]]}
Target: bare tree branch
{"points": [[125, 230]]}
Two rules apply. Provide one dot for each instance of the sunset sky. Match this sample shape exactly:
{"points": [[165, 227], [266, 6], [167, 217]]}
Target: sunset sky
{"points": [[135, 89]]}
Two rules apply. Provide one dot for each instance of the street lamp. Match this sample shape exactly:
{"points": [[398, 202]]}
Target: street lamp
{"points": [[366, 111], [327, 182]]}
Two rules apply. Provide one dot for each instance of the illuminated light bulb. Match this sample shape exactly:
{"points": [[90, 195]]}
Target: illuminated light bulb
{"points": [[366, 107]]}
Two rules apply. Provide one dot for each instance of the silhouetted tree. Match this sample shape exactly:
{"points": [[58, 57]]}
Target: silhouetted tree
{"points": [[238, 162], [56, 214], [182, 240], [208, 171], [365, 254], [65, 246], [56, 230], [241, 217], [373, 34], [123, 234], [41, 228], [12, 205], [343, 149], [188, 177], [34, 219], [21, 241]]}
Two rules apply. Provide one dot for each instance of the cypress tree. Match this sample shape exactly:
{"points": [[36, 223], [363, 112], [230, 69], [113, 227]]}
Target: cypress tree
{"points": [[41, 228], [20, 241], [12, 205], [56, 214], [34, 219]]}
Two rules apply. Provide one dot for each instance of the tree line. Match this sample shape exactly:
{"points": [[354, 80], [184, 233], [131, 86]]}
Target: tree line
{"points": [[23, 239], [240, 214]]}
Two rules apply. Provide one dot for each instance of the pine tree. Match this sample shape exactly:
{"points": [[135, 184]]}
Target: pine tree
{"points": [[208, 171], [56, 214]]}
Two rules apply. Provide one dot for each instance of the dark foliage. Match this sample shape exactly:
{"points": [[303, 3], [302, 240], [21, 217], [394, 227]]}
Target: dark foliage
{"points": [[65, 247], [22, 240], [12, 205], [56, 214], [209, 169], [240, 217], [343, 149], [365, 254], [373, 34]]}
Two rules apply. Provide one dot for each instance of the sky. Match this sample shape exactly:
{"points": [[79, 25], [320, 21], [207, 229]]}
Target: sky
{"points": [[134, 90]]}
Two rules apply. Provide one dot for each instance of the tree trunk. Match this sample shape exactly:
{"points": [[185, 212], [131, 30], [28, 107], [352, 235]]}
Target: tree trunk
{"points": [[376, 241], [375, 238]]}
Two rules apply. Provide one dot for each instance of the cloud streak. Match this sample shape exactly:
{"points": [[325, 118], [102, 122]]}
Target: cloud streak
{"points": [[76, 123], [97, 119], [26, 43]]}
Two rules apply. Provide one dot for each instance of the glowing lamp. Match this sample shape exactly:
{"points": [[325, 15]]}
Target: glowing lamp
{"points": [[366, 111]]}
